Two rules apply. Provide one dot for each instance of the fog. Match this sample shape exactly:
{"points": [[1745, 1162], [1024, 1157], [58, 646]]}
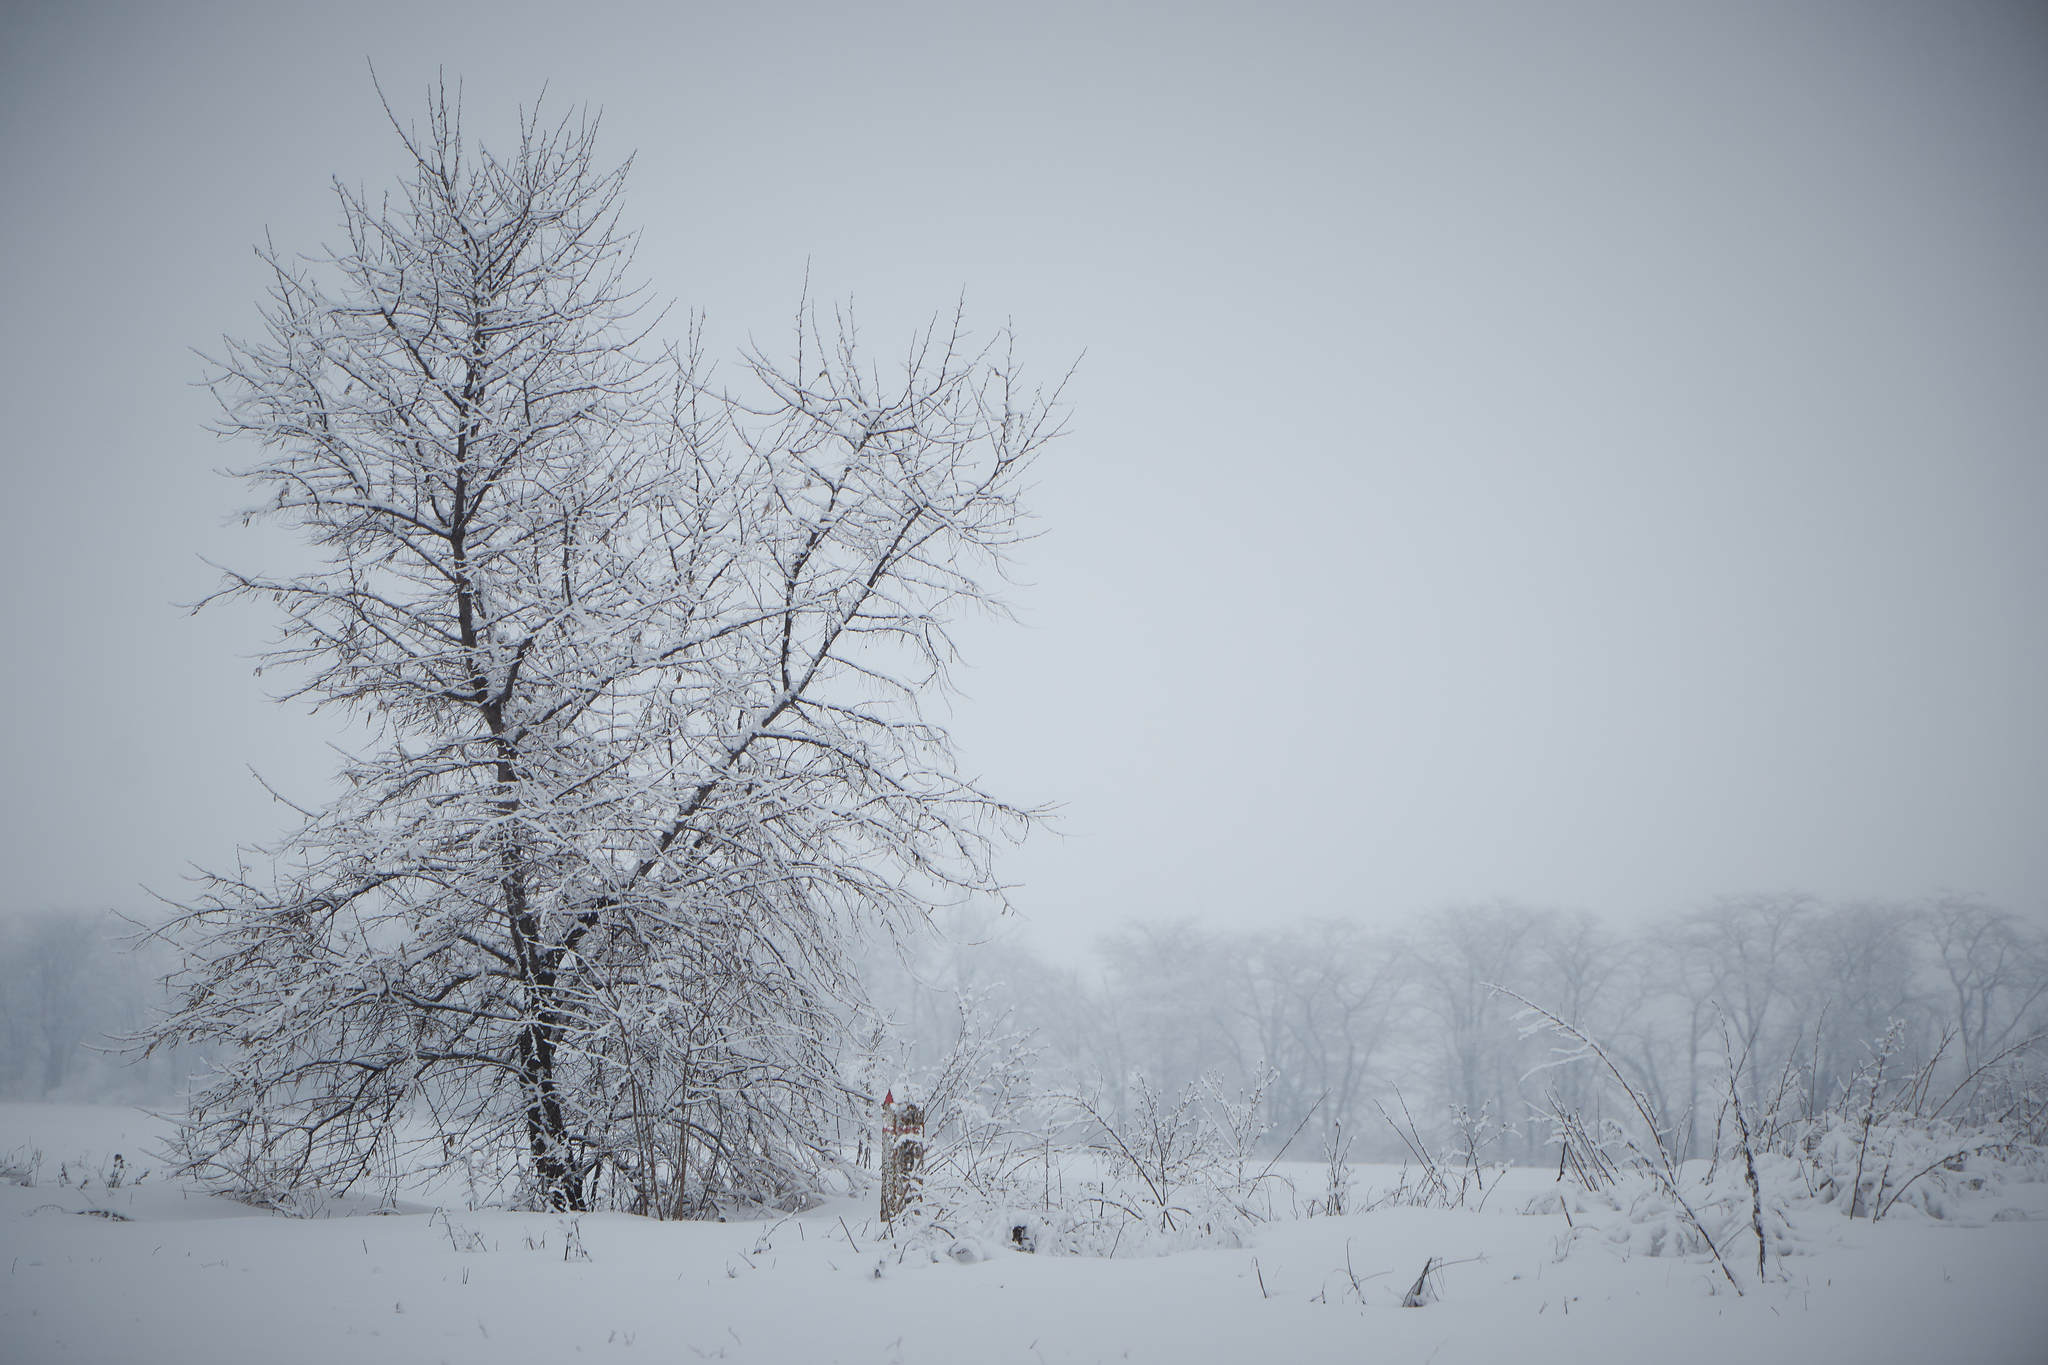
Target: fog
{"points": [[1364, 1040], [1588, 456], [1431, 1032]]}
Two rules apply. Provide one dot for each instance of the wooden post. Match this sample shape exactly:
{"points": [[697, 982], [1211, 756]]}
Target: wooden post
{"points": [[902, 1155]]}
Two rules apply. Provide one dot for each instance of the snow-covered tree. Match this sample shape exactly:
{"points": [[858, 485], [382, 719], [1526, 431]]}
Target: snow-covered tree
{"points": [[641, 664]]}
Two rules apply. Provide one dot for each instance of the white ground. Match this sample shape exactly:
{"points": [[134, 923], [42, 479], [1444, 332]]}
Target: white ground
{"points": [[190, 1279]]}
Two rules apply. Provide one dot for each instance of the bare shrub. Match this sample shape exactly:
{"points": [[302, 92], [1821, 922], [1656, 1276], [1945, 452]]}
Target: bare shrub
{"points": [[1176, 1172], [1650, 1149], [1457, 1181]]}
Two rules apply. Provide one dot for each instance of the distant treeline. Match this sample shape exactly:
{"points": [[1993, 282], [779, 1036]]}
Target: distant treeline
{"points": [[72, 983], [1349, 1020]]}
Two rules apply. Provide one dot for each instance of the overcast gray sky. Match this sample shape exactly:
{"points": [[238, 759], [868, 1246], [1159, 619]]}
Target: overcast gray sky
{"points": [[1590, 454]]}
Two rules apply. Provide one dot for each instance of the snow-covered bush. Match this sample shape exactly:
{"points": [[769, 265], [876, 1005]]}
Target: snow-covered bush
{"points": [[1678, 1217], [983, 1119], [19, 1165], [1637, 1214], [986, 1167], [1172, 1173], [1884, 1144], [1888, 1144]]}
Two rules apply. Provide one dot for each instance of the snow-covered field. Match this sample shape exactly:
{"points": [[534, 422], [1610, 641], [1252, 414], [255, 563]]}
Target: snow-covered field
{"points": [[177, 1277]]}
